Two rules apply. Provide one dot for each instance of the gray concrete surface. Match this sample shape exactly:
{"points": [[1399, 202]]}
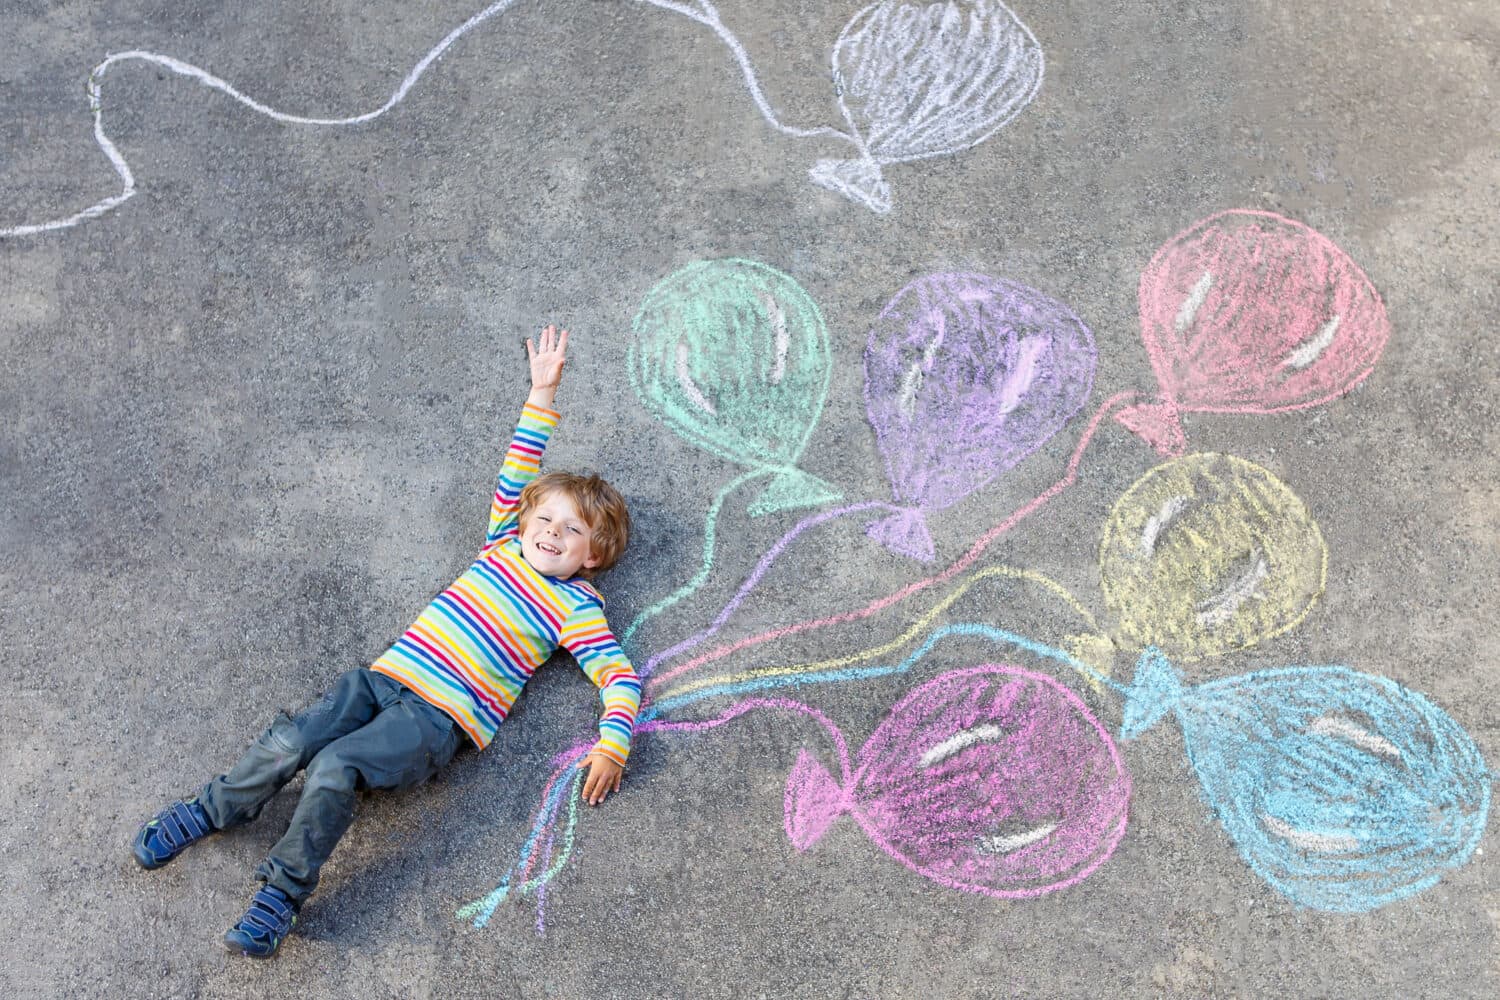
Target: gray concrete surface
{"points": [[250, 419]]}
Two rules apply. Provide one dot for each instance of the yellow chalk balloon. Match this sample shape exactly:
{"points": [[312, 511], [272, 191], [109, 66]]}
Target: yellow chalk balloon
{"points": [[1208, 553]]}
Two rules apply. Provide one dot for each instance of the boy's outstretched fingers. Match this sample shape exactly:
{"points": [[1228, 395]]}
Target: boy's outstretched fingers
{"points": [[604, 777]]}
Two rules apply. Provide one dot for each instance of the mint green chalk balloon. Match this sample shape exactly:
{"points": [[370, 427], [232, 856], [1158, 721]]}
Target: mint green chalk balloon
{"points": [[733, 356]]}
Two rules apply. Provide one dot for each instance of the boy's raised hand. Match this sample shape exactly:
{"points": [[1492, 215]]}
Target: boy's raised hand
{"points": [[604, 777], [547, 358]]}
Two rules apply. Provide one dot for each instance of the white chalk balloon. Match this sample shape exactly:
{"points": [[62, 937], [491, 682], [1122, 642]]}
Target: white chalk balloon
{"points": [[926, 79]]}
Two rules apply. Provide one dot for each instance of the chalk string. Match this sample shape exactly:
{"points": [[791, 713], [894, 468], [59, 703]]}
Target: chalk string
{"points": [[754, 579], [127, 179], [708, 556], [706, 14], [702, 12], [963, 563], [541, 840], [921, 624], [808, 673]]}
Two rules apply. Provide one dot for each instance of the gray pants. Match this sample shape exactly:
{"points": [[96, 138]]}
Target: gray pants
{"points": [[367, 732]]}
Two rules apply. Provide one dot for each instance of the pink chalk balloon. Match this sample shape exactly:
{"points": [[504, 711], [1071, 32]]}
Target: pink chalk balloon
{"points": [[1250, 312], [991, 779]]}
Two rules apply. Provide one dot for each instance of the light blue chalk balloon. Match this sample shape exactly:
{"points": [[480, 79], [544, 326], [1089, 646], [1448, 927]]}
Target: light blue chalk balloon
{"points": [[1343, 790]]}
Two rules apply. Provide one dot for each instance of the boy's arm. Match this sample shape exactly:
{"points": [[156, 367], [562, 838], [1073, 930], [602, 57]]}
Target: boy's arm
{"points": [[523, 459], [587, 636]]}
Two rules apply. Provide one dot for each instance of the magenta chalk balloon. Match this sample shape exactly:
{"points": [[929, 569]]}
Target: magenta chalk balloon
{"points": [[966, 375], [991, 779], [1250, 312]]}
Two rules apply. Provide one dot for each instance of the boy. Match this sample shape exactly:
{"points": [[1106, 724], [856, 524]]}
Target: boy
{"points": [[457, 669]]}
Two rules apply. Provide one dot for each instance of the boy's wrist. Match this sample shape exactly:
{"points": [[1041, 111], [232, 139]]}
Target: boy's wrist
{"points": [[542, 395]]}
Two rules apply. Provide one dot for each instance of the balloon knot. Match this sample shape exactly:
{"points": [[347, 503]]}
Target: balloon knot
{"points": [[814, 800], [1158, 424], [857, 180], [1154, 691], [904, 533]]}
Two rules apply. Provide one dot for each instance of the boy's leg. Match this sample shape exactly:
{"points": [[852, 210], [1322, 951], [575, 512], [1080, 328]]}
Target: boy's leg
{"points": [[289, 743], [269, 763], [402, 746]]}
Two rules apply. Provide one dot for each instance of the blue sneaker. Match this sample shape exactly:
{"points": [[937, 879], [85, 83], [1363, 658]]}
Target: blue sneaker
{"points": [[170, 832], [271, 916]]}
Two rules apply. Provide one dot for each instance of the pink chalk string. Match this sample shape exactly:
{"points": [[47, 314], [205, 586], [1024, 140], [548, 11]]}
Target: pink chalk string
{"points": [[749, 705], [963, 563], [753, 580]]}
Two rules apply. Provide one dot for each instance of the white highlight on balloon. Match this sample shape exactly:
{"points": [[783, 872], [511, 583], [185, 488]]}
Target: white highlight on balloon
{"points": [[1158, 523], [1193, 302], [1343, 729], [1021, 376], [1306, 840], [689, 387], [911, 385], [783, 339], [939, 752], [1314, 348], [1218, 608], [1004, 845]]}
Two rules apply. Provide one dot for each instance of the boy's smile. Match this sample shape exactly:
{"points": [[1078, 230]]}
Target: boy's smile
{"points": [[555, 539]]}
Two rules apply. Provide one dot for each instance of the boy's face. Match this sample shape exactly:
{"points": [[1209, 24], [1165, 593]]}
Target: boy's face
{"points": [[555, 539]]}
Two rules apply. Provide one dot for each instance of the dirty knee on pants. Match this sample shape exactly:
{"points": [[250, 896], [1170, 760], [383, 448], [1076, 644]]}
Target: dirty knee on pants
{"points": [[403, 745], [289, 744]]}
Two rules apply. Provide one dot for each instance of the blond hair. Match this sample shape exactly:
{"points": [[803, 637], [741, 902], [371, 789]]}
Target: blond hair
{"points": [[599, 503]]}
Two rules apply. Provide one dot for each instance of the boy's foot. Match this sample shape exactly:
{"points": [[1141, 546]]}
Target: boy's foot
{"points": [[170, 832], [271, 916]]}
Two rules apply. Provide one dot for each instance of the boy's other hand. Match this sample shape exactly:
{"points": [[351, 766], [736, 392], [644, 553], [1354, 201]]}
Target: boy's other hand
{"points": [[604, 777]]}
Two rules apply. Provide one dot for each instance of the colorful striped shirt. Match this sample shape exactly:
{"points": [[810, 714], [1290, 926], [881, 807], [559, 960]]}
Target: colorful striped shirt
{"points": [[481, 639]]}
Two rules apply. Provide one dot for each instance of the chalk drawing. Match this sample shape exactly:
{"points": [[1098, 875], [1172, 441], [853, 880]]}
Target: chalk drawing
{"points": [[733, 356], [1250, 312], [913, 80], [665, 695], [916, 80], [966, 375], [705, 568], [991, 779], [95, 92], [842, 672], [1343, 790], [1208, 553], [976, 550], [750, 582]]}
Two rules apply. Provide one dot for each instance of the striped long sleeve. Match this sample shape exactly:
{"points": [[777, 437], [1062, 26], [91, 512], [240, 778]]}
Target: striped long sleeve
{"points": [[482, 638], [587, 636], [523, 461]]}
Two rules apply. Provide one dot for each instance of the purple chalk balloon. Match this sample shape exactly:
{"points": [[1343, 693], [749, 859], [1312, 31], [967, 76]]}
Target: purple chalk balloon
{"points": [[965, 375], [991, 779]]}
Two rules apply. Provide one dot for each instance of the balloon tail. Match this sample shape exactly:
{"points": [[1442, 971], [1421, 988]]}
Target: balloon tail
{"points": [[1159, 424], [790, 489], [905, 533], [1154, 691], [813, 801], [857, 180]]}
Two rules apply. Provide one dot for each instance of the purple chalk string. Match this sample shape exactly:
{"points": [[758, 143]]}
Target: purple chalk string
{"points": [[753, 580]]}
